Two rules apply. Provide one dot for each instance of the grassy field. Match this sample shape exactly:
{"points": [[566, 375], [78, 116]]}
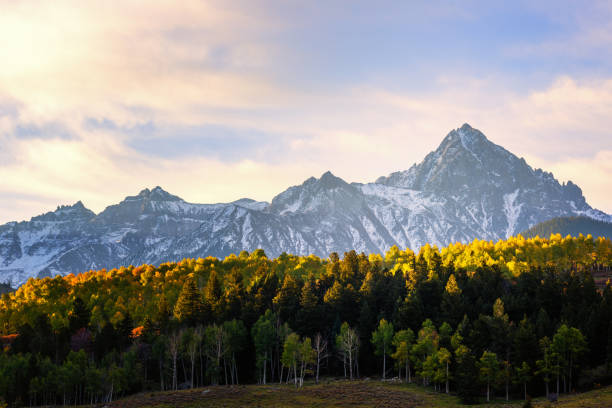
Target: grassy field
{"points": [[355, 394]]}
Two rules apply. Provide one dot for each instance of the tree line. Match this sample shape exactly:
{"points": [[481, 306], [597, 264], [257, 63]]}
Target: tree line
{"points": [[512, 318]]}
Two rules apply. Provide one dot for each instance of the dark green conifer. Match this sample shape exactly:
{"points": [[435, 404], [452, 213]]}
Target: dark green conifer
{"points": [[188, 307]]}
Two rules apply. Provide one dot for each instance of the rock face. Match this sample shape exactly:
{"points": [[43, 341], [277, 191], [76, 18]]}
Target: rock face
{"points": [[467, 188]]}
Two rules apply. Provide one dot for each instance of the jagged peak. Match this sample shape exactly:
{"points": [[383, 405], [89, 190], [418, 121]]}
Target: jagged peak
{"points": [[76, 206], [466, 136], [156, 194], [327, 181], [77, 210]]}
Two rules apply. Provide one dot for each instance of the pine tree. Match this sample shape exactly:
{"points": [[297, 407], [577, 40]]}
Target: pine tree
{"points": [[188, 307], [287, 301], [80, 315], [467, 377], [213, 293]]}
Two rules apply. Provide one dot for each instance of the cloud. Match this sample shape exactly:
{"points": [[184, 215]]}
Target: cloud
{"points": [[216, 101]]}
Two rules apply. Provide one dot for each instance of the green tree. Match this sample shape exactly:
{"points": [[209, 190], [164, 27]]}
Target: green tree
{"points": [[467, 376], [489, 369], [235, 342], [548, 365], [307, 358], [426, 345], [287, 300], [291, 354], [381, 339], [213, 295], [402, 340], [444, 357], [264, 336], [188, 307], [215, 340], [523, 376], [569, 344]]}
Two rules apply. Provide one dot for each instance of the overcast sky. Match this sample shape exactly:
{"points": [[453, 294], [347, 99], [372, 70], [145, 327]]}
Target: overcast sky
{"points": [[215, 101]]}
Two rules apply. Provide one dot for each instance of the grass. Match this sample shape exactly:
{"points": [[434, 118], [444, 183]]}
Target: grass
{"points": [[354, 394]]}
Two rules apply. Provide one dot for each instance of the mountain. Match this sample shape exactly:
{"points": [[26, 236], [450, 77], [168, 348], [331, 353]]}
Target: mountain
{"points": [[467, 188], [570, 226]]}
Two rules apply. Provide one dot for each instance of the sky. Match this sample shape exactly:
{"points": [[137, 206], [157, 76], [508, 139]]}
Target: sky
{"points": [[218, 100]]}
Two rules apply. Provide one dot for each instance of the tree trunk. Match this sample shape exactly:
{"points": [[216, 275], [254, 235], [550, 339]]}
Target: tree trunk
{"points": [[488, 391], [174, 376], [201, 367], [225, 370], [507, 389], [447, 377], [409, 371], [192, 369], [265, 363], [236, 371], [570, 374], [184, 369], [525, 390], [384, 362]]}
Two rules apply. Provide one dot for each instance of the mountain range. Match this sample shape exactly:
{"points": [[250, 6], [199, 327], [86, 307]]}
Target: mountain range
{"points": [[467, 188]]}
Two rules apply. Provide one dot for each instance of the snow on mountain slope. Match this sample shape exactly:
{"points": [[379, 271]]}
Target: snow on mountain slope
{"points": [[467, 188]]}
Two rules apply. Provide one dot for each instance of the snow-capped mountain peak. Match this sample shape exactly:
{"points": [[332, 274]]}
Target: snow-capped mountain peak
{"points": [[467, 188], [314, 194]]}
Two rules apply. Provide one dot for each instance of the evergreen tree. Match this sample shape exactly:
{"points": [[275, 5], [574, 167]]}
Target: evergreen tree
{"points": [[213, 294], [287, 301], [79, 316], [525, 347], [467, 378], [188, 307]]}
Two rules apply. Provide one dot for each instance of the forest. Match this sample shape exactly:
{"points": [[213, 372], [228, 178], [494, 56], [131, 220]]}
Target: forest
{"points": [[482, 320], [572, 226]]}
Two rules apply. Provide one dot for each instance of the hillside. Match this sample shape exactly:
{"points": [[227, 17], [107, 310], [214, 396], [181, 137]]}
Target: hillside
{"points": [[573, 226], [468, 188], [362, 394]]}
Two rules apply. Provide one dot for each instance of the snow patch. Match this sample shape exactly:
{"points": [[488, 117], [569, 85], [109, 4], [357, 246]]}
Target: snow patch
{"points": [[512, 211]]}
